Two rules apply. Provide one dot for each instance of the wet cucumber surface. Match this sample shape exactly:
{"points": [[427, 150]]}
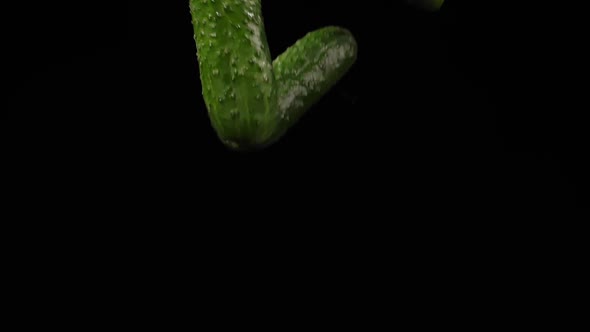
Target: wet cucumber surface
{"points": [[308, 69], [235, 70], [252, 100]]}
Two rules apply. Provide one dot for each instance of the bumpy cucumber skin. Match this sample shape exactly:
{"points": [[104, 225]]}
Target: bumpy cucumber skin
{"points": [[235, 70], [309, 69], [252, 101]]}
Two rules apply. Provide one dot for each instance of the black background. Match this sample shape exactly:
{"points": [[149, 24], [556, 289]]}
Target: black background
{"points": [[471, 110], [468, 107]]}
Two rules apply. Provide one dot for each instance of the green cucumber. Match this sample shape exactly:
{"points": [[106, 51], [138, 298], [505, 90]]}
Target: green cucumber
{"points": [[428, 5], [309, 69], [235, 70], [252, 101]]}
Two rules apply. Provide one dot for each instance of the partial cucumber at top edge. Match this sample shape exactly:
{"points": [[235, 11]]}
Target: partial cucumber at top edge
{"points": [[235, 70], [428, 5]]}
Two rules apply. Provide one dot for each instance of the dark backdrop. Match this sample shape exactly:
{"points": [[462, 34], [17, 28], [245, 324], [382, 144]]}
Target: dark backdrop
{"points": [[457, 109]]}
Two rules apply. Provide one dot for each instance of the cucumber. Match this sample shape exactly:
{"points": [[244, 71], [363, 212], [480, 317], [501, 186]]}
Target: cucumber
{"points": [[235, 70], [251, 100], [428, 5], [309, 69]]}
